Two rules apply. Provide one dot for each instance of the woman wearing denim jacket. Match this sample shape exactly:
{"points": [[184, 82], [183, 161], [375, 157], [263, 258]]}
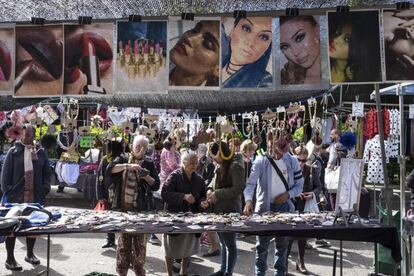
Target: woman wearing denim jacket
{"points": [[265, 177], [224, 194]]}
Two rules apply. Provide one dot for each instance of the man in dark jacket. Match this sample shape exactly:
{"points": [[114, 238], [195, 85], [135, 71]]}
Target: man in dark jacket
{"points": [[25, 178]]}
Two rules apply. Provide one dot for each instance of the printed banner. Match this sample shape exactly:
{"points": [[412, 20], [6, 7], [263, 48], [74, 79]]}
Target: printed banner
{"points": [[39, 61], [246, 52], [88, 59], [354, 47], [141, 63], [194, 53], [300, 53], [398, 45], [6, 59]]}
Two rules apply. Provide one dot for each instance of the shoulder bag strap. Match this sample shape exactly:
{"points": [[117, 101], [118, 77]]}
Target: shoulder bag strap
{"points": [[281, 176]]}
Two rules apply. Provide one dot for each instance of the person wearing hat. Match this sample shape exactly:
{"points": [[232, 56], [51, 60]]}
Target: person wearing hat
{"points": [[277, 178], [25, 178], [225, 195]]}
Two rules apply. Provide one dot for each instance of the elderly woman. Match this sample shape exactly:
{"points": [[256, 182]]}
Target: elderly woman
{"points": [[184, 191], [133, 181]]}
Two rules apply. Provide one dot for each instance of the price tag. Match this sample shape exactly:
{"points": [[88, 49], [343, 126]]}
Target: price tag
{"points": [[86, 141], [358, 109], [411, 111]]}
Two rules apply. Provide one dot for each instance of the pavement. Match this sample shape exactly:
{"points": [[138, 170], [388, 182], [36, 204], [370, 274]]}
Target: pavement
{"points": [[80, 254]]}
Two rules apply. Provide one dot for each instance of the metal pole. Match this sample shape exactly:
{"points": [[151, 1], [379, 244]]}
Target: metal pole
{"points": [[386, 191], [340, 96], [402, 163], [341, 259]]}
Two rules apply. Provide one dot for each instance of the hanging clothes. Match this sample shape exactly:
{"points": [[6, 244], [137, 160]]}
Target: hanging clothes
{"points": [[372, 156], [327, 125], [371, 123], [395, 132]]}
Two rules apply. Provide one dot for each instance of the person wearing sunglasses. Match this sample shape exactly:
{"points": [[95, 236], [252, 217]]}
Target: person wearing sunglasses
{"points": [[311, 189]]}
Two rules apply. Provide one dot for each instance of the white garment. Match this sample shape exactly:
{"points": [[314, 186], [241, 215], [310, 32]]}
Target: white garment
{"points": [[394, 138], [327, 124], [117, 117], [278, 187], [91, 156], [70, 173], [333, 154], [372, 156]]}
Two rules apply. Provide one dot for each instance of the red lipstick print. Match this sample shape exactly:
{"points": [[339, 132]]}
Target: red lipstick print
{"points": [[90, 66], [5, 62]]}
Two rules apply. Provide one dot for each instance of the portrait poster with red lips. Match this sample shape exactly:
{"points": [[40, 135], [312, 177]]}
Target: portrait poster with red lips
{"points": [[141, 57], [39, 61], [194, 53], [6, 59], [398, 45], [246, 53], [88, 59], [354, 47], [300, 53]]}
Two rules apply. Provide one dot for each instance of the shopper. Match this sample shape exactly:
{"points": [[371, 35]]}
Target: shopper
{"points": [[184, 191], [206, 168], [336, 152], [25, 178], [224, 193], [134, 180], [275, 189], [113, 149], [311, 190]]}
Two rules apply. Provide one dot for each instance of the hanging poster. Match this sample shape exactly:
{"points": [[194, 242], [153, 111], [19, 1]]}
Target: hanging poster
{"points": [[300, 53], [39, 61], [6, 59], [354, 47], [194, 53], [88, 59], [398, 45], [141, 62], [246, 52]]}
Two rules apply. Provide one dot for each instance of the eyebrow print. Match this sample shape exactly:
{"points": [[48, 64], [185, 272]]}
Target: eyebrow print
{"points": [[296, 33], [249, 21]]}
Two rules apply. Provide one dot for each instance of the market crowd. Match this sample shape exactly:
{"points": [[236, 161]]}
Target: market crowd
{"points": [[258, 175]]}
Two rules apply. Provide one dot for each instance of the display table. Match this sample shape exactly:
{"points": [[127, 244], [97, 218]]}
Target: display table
{"points": [[367, 232]]}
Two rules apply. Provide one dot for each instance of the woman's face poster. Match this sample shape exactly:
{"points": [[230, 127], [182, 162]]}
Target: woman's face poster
{"points": [[354, 47], [399, 44], [141, 60], [88, 59], [194, 52], [300, 53], [6, 59], [39, 61], [247, 52]]}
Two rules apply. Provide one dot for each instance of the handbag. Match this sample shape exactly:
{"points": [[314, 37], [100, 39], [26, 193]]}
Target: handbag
{"points": [[332, 179], [311, 206]]}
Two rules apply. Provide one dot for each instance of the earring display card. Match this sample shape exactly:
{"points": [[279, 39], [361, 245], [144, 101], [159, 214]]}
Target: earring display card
{"points": [[39, 61], [6, 59], [246, 52], [194, 53], [141, 57], [88, 59]]}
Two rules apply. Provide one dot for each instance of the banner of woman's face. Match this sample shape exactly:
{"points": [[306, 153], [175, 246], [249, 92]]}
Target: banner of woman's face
{"points": [[6, 59], [399, 44], [194, 53], [88, 59], [300, 57], [354, 47], [39, 61], [141, 61], [246, 55]]}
